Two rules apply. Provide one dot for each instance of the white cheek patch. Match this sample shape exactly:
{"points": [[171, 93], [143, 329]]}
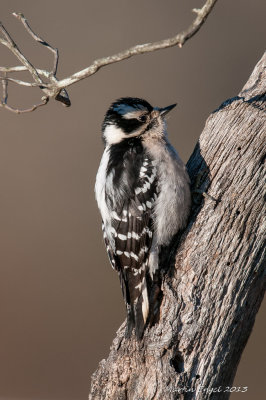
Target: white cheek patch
{"points": [[113, 134]]}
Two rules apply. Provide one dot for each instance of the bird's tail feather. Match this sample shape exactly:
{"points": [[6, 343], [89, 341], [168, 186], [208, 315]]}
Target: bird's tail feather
{"points": [[141, 310], [137, 303]]}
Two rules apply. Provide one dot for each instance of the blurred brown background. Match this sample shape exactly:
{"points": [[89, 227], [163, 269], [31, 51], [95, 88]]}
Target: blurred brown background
{"points": [[60, 301]]}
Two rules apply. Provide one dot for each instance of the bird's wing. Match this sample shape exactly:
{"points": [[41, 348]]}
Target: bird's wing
{"points": [[132, 232]]}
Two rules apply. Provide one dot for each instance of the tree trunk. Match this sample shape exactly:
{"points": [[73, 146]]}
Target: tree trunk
{"points": [[213, 292]]}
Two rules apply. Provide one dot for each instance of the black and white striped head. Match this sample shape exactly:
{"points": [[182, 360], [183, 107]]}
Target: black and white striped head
{"points": [[132, 117]]}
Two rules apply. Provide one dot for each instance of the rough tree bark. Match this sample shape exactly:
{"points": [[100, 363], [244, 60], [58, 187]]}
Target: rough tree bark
{"points": [[213, 292]]}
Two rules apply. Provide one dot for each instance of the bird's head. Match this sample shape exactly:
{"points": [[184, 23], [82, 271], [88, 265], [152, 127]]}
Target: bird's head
{"points": [[132, 117]]}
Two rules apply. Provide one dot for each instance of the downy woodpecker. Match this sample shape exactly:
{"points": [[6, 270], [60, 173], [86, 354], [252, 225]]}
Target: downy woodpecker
{"points": [[143, 193]]}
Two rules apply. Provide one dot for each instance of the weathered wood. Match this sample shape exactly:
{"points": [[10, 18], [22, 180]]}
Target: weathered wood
{"points": [[213, 292]]}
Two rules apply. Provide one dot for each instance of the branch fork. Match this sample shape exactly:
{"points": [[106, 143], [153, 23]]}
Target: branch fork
{"points": [[49, 89]]}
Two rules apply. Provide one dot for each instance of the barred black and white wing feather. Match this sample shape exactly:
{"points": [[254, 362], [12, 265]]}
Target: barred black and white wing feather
{"points": [[128, 234]]}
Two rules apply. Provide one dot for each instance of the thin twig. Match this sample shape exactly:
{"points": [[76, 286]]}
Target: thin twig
{"points": [[11, 45], [19, 111], [55, 88], [38, 39], [60, 95], [4, 86], [22, 83], [21, 68]]}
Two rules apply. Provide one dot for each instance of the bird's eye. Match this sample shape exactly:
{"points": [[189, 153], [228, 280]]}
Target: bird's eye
{"points": [[142, 118]]}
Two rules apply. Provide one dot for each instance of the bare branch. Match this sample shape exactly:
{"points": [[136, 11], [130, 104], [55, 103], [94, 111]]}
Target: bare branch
{"points": [[179, 40], [11, 45], [4, 86], [62, 96], [55, 88], [21, 68], [4, 104], [19, 111], [38, 39], [20, 82]]}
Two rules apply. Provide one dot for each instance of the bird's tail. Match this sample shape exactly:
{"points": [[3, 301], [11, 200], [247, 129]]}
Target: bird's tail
{"points": [[141, 310], [137, 303]]}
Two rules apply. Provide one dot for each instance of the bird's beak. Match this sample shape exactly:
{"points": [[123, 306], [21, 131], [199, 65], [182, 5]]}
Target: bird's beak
{"points": [[165, 110]]}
